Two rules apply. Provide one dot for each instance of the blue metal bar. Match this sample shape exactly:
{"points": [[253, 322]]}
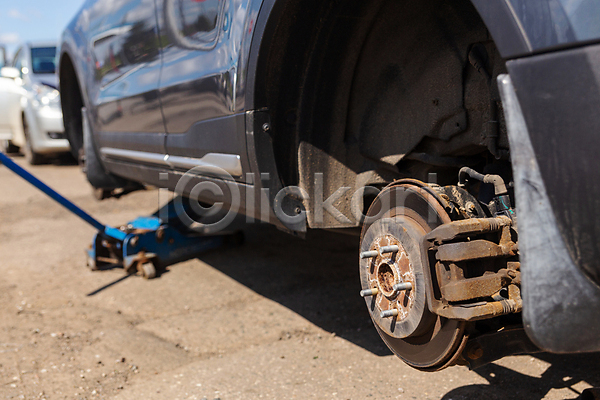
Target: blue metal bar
{"points": [[112, 232]]}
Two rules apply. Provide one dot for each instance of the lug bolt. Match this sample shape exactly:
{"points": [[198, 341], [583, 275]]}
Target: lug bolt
{"points": [[369, 292], [389, 313], [389, 249], [403, 287], [470, 206], [368, 254]]}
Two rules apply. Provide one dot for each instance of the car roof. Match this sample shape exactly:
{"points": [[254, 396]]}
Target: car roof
{"points": [[41, 43]]}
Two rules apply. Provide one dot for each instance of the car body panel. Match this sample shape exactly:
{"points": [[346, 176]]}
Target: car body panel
{"points": [[522, 27], [122, 40], [122, 99], [200, 108], [561, 305], [560, 97], [187, 94]]}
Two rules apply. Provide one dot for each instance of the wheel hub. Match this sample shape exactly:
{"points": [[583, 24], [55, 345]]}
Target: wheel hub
{"points": [[398, 303], [394, 278], [383, 273]]}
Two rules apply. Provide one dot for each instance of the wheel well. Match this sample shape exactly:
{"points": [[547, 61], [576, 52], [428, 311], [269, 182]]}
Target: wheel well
{"points": [[369, 92], [72, 102]]}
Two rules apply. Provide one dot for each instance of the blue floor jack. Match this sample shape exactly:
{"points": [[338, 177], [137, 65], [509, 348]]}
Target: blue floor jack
{"points": [[145, 245]]}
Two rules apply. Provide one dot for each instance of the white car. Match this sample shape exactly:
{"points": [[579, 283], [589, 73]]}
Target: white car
{"points": [[33, 124], [11, 92]]}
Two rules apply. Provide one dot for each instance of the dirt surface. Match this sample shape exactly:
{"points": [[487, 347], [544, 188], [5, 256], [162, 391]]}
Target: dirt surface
{"points": [[277, 318]]}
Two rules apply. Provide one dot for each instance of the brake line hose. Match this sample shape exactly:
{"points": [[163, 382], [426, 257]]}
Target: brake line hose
{"points": [[496, 180]]}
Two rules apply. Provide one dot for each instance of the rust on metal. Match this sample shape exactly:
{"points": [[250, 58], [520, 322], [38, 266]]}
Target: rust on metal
{"points": [[455, 252], [479, 287], [472, 268], [388, 269], [485, 310], [473, 226], [468, 270]]}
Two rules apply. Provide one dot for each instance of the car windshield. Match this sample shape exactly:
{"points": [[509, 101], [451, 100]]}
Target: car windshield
{"points": [[43, 60]]}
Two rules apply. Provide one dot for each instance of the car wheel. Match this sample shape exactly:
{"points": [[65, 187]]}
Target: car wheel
{"points": [[101, 194], [9, 148], [30, 155]]}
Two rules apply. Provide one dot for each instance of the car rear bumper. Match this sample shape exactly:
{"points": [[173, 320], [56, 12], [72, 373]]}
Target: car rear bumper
{"points": [[552, 104]]}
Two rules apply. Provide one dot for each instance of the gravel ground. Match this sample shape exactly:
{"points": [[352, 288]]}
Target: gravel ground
{"points": [[277, 318]]}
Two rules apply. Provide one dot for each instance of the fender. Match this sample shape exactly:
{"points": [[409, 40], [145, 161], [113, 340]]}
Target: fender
{"points": [[263, 16], [498, 15], [265, 23], [507, 31], [75, 47]]}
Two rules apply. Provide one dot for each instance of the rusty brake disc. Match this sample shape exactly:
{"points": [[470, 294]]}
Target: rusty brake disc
{"points": [[395, 279]]}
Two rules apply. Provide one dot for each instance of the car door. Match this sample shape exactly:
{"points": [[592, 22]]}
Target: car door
{"points": [[125, 113], [201, 41]]}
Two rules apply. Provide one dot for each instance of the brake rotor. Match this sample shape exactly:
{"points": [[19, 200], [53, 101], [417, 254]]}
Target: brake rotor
{"points": [[397, 220]]}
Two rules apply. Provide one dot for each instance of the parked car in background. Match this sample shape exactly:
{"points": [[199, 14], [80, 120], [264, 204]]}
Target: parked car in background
{"points": [[11, 93], [34, 124], [373, 115]]}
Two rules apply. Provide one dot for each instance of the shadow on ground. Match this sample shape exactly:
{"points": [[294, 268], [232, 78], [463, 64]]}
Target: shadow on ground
{"points": [[564, 372], [316, 278]]}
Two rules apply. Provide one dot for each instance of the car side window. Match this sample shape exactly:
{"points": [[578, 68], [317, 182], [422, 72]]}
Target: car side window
{"points": [[194, 24]]}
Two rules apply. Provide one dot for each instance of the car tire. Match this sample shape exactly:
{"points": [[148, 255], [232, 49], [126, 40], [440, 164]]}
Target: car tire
{"points": [[31, 156], [96, 174], [101, 194], [9, 148]]}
